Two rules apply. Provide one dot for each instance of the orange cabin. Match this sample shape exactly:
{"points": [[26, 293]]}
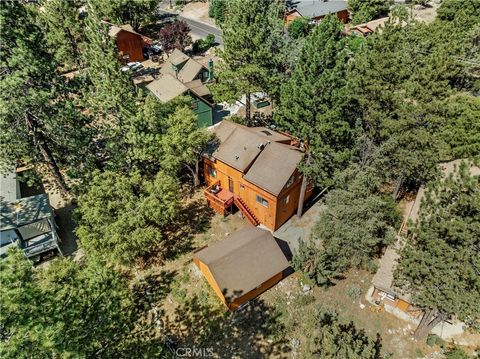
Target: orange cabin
{"points": [[255, 170], [242, 266]]}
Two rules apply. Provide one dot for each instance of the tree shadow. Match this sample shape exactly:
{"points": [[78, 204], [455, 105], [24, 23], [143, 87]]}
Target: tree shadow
{"points": [[194, 218], [254, 331]]}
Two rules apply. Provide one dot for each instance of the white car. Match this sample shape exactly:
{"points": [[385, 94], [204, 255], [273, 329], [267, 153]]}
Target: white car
{"points": [[133, 66]]}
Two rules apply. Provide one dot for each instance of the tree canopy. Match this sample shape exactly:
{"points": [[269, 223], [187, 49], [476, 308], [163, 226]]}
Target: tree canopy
{"points": [[252, 45], [366, 10], [440, 265], [67, 309], [312, 100], [124, 216]]}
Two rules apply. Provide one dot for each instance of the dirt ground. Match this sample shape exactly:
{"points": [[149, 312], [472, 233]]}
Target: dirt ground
{"points": [[197, 10], [275, 325]]}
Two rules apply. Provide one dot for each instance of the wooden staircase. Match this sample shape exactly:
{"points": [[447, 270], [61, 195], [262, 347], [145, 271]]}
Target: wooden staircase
{"points": [[242, 206]]}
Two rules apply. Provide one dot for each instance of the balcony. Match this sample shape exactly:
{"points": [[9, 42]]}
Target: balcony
{"points": [[218, 198]]}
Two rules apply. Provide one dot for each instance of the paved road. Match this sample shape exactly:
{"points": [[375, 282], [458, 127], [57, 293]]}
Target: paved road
{"points": [[200, 29]]}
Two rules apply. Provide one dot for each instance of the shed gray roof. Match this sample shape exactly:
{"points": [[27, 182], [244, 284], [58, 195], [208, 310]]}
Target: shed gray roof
{"points": [[273, 167], [24, 211], [243, 261], [315, 8]]}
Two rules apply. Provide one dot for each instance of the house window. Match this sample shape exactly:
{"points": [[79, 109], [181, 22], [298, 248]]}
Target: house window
{"points": [[287, 199], [242, 186], [290, 181], [262, 201], [212, 172]]}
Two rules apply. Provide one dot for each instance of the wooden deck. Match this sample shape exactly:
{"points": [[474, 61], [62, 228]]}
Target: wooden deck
{"points": [[220, 199]]}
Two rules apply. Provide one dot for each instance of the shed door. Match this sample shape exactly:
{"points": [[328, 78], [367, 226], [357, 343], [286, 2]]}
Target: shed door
{"points": [[230, 184]]}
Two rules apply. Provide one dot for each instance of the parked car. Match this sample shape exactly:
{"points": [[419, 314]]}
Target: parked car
{"points": [[150, 51], [131, 66]]}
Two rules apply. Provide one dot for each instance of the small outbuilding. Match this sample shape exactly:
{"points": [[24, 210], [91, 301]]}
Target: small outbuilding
{"points": [[242, 266]]}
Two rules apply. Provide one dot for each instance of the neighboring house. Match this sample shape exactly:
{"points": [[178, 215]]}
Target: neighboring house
{"points": [[383, 292], [129, 43], [255, 170], [181, 75], [367, 28], [316, 10], [27, 223], [242, 266]]}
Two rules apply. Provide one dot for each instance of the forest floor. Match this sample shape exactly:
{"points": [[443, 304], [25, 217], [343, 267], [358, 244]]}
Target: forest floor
{"points": [[279, 323]]}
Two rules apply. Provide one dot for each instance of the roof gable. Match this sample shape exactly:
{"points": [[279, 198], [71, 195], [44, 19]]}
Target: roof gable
{"points": [[243, 261], [273, 167], [166, 88]]}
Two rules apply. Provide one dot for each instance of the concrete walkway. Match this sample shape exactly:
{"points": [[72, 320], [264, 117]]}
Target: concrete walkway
{"points": [[299, 228]]}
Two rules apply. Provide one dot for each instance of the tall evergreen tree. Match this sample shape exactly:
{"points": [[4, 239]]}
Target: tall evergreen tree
{"points": [[337, 339], [366, 10], [68, 310], [352, 231], [440, 266], [252, 40], [38, 122], [312, 101], [133, 12], [64, 30], [123, 216]]}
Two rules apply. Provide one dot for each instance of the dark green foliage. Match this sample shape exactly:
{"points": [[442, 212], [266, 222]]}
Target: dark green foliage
{"points": [[299, 28], [202, 45], [463, 10], [134, 12], [39, 123], [217, 9], [312, 101], [400, 87], [66, 310], [124, 216], [338, 339], [440, 265], [351, 232], [366, 10], [64, 30], [252, 36], [456, 353]]}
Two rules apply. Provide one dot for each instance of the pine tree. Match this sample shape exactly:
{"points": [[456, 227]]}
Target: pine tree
{"points": [[68, 310], [252, 40], [337, 339], [124, 216], [352, 231], [366, 10], [39, 122], [64, 30], [311, 103], [183, 143], [440, 265]]}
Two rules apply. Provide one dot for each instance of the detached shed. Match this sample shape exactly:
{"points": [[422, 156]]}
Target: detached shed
{"points": [[242, 266]]}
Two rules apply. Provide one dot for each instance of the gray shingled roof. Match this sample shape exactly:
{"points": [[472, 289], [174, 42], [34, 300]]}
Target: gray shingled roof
{"points": [[24, 211], [273, 167], [166, 88], [243, 261], [188, 72], [315, 8]]}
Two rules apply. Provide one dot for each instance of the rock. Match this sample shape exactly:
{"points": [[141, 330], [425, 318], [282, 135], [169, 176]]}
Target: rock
{"points": [[288, 303], [295, 343], [306, 288], [389, 331], [289, 293], [362, 306], [419, 7]]}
